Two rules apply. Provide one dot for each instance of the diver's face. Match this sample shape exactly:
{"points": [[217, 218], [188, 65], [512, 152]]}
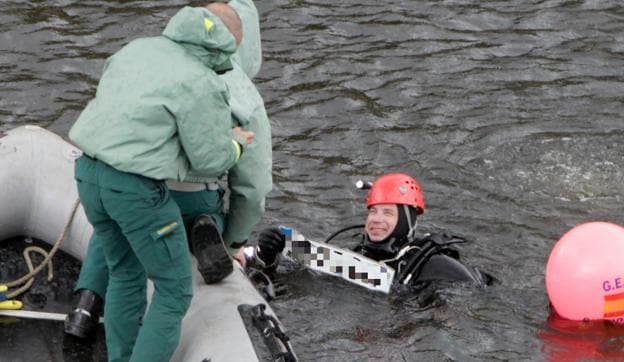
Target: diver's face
{"points": [[381, 221]]}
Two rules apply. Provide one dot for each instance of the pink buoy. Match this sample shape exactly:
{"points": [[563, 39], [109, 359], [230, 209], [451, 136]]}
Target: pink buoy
{"points": [[585, 273]]}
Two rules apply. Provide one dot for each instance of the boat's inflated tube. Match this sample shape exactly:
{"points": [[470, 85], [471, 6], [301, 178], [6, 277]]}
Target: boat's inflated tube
{"points": [[38, 189], [37, 196]]}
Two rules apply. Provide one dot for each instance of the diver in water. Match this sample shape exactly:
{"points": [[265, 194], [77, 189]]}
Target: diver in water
{"points": [[394, 203]]}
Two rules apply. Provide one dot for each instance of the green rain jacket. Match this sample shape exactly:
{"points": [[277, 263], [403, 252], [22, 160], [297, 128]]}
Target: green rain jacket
{"points": [[160, 109], [250, 180]]}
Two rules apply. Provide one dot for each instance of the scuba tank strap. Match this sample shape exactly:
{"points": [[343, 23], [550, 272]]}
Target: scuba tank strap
{"points": [[444, 241], [401, 253], [427, 246]]}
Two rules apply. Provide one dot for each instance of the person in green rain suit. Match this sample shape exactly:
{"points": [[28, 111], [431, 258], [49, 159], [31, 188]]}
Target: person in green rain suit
{"points": [[249, 181], [160, 113]]}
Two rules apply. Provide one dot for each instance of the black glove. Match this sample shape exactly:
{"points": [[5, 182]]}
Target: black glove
{"points": [[270, 243]]}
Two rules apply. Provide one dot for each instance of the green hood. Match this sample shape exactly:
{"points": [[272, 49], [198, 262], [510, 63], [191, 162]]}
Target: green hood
{"points": [[204, 35], [249, 52]]}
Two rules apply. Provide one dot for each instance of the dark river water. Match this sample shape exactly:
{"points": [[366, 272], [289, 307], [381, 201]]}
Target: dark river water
{"points": [[509, 113]]}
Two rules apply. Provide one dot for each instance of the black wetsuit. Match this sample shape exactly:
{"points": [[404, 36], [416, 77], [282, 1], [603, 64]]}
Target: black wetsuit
{"points": [[431, 257]]}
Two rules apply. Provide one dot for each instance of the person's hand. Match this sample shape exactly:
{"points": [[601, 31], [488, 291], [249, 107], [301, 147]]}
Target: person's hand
{"points": [[270, 243], [239, 256], [248, 136]]}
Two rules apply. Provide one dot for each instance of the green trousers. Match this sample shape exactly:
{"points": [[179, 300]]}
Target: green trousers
{"points": [[141, 232], [94, 272]]}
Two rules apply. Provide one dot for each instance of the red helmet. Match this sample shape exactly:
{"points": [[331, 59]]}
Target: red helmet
{"points": [[396, 188]]}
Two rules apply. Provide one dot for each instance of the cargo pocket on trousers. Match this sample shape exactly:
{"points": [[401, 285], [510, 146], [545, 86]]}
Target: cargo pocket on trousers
{"points": [[172, 243]]}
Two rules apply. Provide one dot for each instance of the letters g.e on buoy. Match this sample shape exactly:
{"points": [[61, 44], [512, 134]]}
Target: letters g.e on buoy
{"points": [[585, 273]]}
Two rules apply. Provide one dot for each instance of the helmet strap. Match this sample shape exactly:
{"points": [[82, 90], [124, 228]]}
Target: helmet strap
{"points": [[411, 225]]}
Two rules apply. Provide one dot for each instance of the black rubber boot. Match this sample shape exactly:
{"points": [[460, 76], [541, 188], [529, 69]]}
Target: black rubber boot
{"points": [[82, 321], [213, 261]]}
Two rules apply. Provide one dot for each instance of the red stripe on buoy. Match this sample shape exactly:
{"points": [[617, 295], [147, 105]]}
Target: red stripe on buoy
{"points": [[611, 297], [614, 314]]}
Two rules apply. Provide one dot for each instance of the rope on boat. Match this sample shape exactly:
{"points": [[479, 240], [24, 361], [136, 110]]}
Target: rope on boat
{"points": [[28, 279]]}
